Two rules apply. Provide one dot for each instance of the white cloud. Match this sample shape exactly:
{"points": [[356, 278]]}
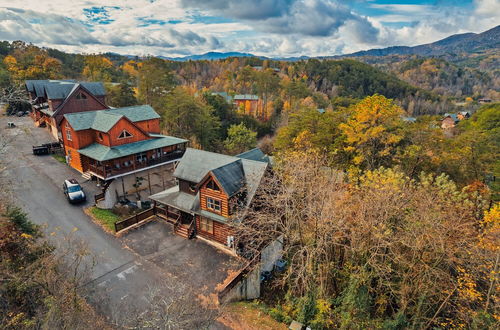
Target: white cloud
{"points": [[263, 27]]}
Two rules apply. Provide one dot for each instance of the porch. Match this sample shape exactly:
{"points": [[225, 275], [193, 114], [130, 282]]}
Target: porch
{"points": [[184, 222]]}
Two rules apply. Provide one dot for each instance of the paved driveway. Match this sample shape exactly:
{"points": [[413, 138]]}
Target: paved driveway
{"points": [[123, 274]]}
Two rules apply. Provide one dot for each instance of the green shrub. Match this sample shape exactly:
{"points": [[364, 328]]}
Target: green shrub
{"points": [[20, 219]]}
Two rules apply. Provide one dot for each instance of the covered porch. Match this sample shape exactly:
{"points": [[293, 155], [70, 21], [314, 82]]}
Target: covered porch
{"points": [[177, 207], [114, 168]]}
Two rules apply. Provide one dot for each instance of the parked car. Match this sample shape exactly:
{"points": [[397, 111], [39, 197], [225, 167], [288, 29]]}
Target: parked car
{"points": [[73, 191]]}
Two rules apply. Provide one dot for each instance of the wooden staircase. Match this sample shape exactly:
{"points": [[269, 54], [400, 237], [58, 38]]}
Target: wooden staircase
{"points": [[184, 230]]}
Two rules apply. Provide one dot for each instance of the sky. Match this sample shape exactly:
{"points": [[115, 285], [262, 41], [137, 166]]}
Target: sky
{"points": [[274, 28]]}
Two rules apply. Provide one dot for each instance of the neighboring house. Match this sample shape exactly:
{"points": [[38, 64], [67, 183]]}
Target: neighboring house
{"points": [[226, 96], [211, 189], [463, 115], [52, 99], [409, 119], [111, 143], [247, 104], [450, 120]]}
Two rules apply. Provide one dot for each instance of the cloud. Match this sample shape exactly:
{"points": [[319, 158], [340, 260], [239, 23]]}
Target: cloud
{"points": [[28, 25], [316, 18], [262, 27]]}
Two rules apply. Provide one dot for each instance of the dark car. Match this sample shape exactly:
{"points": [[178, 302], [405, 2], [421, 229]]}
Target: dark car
{"points": [[73, 191]]}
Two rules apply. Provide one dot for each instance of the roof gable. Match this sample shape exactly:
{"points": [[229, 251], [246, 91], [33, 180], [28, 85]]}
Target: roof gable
{"points": [[231, 177]]}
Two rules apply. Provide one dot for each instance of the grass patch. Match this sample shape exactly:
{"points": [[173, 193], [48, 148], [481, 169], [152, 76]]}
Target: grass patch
{"points": [[250, 315], [59, 158], [106, 217]]}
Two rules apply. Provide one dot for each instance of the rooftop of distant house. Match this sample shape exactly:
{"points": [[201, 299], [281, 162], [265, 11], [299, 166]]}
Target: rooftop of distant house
{"points": [[61, 89]]}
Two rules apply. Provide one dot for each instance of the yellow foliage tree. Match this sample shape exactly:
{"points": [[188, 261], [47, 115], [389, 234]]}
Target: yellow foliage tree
{"points": [[373, 131]]}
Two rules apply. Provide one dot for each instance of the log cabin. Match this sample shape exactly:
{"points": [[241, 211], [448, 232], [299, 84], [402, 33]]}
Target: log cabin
{"points": [[107, 144], [247, 104], [52, 99], [210, 189]]}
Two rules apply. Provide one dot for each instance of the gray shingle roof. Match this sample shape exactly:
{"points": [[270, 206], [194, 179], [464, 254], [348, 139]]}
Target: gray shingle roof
{"points": [[60, 89], [184, 201], [101, 152], [104, 120], [254, 154], [196, 164]]}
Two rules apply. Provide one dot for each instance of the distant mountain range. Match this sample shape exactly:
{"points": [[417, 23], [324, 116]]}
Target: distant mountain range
{"points": [[208, 56], [457, 43]]}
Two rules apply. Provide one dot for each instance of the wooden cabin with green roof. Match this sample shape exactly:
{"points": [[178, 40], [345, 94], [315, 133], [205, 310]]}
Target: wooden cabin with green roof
{"points": [[111, 143]]}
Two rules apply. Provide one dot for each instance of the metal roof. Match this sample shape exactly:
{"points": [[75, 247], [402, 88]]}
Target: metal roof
{"points": [[104, 120], [101, 152], [254, 154], [231, 176], [246, 97]]}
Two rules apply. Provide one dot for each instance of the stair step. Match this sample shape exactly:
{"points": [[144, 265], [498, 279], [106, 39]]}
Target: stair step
{"points": [[87, 176]]}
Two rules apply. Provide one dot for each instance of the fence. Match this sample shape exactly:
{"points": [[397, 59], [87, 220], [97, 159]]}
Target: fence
{"points": [[125, 223]]}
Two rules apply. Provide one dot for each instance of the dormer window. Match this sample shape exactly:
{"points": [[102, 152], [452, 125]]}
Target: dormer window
{"points": [[81, 96], [124, 134], [212, 185], [100, 136]]}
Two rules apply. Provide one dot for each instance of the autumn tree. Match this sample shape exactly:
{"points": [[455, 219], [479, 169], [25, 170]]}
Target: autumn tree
{"points": [[373, 131], [240, 139], [98, 68], [383, 252]]}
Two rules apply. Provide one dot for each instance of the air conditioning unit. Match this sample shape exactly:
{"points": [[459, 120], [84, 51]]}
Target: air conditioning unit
{"points": [[230, 241]]}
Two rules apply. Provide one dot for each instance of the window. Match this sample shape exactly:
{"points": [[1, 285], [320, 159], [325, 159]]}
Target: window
{"points": [[124, 134], [212, 185], [207, 225], [68, 135], [100, 136], [142, 157], [81, 96], [213, 204]]}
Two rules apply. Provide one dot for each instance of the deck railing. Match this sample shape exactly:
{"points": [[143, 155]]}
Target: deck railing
{"points": [[108, 170], [125, 223]]}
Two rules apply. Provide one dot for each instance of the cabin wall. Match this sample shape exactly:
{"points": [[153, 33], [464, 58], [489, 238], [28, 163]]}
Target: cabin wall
{"points": [[220, 195], [150, 126], [184, 187], [114, 133], [220, 231], [74, 159]]}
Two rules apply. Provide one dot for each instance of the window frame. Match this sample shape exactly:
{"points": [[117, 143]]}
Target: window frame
{"points": [[212, 204], [68, 135], [207, 225], [125, 132], [81, 96], [212, 185]]}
